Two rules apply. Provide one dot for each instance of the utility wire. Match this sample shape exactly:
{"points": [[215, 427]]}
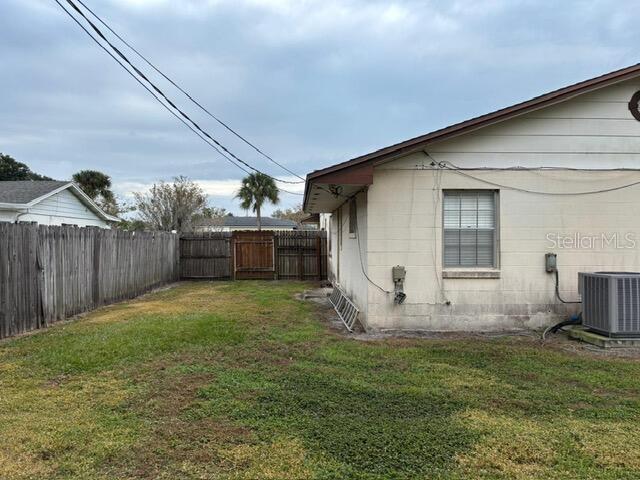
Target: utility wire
{"points": [[536, 192], [559, 297], [161, 93], [461, 171], [204, 139], [148, 89], [193, 100], [364, 270]]}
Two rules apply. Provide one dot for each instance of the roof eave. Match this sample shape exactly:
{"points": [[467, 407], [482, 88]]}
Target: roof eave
{"points": [[13, 206], [492, 118], [91, 204]]}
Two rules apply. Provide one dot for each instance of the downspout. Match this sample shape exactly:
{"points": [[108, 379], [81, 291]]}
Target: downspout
{"points": [[17, 219]]}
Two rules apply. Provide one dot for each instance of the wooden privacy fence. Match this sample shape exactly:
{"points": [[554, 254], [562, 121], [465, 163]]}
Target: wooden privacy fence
{"points": [[245, 255], [206, 255], [51, 273]]}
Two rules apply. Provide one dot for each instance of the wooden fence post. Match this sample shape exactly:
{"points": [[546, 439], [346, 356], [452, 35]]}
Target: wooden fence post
{"points": [[48, 273], [300, 259], [232, 257]]}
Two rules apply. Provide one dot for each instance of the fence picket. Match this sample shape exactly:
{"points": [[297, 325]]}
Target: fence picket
{"points": [[50, 273], [246, 254]]}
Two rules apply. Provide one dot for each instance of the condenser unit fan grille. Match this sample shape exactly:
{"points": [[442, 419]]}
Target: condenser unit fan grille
{"points": [[628, 304]]}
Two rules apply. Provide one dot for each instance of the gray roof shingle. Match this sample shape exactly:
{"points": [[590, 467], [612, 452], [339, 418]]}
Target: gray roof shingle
{"points": [[21, 192]]}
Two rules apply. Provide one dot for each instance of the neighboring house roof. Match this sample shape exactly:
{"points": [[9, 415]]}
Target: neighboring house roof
{"points": [[417, 143], [247, 222], [26, 191], [20, 195]]}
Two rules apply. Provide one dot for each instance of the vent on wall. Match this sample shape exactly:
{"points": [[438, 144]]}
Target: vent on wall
{"points": [[611, 302]]}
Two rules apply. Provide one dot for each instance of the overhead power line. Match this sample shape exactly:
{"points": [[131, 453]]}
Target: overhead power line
{"points": [[187, 94], [168, 101], [148, 89]]}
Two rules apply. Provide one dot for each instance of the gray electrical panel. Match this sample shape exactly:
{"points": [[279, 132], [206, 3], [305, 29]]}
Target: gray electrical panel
{"points": [[551, 262], [399, 273]]}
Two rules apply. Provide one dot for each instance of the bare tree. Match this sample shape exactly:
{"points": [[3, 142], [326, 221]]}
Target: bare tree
{"points": [[211, 219], [171, 206], [296, 214]]}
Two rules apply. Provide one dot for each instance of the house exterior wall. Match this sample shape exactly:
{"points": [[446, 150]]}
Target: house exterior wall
{"points": [[594, 130], [8, 215], [404, 217], [326, 225], [345, 268], [405, 228], [62, 208]]}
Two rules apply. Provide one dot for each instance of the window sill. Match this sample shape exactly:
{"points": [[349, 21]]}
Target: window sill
{"points": [[471, 273]]}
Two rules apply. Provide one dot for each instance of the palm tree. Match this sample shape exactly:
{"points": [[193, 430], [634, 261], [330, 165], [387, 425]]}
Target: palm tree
{"points": [[255, 190], [94, 184]]}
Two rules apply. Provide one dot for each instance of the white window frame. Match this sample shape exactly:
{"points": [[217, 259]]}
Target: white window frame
{"points": [[496, 231]]}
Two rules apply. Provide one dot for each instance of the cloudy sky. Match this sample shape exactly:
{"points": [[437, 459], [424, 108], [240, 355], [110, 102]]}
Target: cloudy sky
{"points": [[312, 82]]}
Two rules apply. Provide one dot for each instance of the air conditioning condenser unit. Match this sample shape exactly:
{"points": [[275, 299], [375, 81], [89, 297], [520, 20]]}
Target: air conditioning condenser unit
{"points": [[611, 302]]}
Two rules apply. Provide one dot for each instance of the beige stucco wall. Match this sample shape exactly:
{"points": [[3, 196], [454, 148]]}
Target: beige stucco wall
{"points": [[588, 138], [344, 260], [404, 227]]}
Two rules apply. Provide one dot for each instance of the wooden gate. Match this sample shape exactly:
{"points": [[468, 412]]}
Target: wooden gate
{"points": [[244, 255], [254, 255], [301, 255]]}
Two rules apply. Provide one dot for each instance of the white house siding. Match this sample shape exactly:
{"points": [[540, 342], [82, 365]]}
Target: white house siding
{"points": [[8, 215], [344, 262], [63, 208], [593, 131]]}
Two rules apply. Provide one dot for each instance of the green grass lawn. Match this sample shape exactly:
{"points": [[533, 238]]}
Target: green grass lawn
{"points": [[243, 381]]}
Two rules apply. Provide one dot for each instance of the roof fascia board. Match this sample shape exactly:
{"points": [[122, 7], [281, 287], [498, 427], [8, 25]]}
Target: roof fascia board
{"points": [[37, 200], [91, 204], [355, 175], [417, 144], [94, 205], [14, 206]]}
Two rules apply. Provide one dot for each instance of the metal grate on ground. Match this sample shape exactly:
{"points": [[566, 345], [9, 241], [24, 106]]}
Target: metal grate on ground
{"points": [[345, 308]]}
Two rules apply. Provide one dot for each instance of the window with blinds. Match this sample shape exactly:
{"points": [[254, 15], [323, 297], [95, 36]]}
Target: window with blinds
{"points": [[469, 220]]}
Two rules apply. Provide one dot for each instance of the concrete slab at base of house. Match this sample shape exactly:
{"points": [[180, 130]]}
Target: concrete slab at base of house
{"points": [[321, 293], [602, 341]]}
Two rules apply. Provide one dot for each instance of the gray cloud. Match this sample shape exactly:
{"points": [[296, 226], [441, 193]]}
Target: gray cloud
{"points": [[313, 82]]}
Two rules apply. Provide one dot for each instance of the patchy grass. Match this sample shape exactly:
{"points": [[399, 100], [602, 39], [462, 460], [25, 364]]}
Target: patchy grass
{"points": [[242, 381]]}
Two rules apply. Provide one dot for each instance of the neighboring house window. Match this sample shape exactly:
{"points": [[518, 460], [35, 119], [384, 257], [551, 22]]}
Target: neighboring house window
{"points": [[353, 218], [470, 234]]}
